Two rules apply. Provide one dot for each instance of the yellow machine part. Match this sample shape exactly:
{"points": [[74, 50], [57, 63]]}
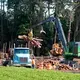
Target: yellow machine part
{"points": [[30, 35]]}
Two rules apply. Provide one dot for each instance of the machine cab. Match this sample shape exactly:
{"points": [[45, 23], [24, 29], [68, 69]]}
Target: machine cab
{"points": [[21, 56]]}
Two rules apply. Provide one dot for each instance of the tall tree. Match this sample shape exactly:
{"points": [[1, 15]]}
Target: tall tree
{"points": [[3, 22], [77, 21]]}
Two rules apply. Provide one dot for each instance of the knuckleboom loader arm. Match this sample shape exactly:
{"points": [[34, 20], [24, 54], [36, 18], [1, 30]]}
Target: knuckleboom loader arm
{"points": [[61, 35], [58, 27]]}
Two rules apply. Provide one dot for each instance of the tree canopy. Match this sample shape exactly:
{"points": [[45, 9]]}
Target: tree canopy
{"points": [[21, 15]]}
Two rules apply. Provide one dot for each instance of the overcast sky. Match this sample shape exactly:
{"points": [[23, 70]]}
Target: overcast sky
{"points": [[5, 5]]}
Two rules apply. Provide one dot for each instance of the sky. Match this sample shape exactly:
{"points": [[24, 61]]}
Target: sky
{"points": [[5, 6]]}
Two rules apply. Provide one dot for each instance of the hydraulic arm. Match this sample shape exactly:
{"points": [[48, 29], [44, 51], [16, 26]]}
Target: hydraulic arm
{"points": [[59, 29]]}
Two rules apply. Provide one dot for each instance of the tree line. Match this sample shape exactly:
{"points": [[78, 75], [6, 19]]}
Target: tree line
{"points": [[21, 15]]}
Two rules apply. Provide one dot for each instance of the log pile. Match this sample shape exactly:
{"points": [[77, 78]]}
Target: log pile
{"points": [[56, 49], [64, 67], [51, 64]]}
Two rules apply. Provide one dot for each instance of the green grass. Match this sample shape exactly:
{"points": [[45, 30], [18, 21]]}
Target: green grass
{"points": [[21, 73]]}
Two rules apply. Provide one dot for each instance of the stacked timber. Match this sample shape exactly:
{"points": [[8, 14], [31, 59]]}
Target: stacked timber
{"points": [[56, 49], [52, 64], [64, 67]]}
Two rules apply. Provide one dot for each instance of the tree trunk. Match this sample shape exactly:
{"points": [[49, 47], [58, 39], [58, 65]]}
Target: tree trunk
{"points": [[2, 25], [75, 33]]}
